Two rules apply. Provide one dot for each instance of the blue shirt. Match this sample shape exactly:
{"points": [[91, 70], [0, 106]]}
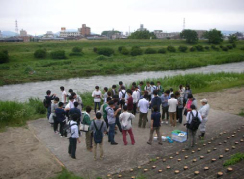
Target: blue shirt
{"points": [[60, 114], [164, 100], [156, 101], [155, 116], [110, 115]]}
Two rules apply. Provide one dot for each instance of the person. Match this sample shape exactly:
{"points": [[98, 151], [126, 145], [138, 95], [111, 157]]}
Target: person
{"points": [[69, 94], [69, 106], [60, 119], [159, 89], [153, 87], [143, 106], [156, 101], [148, 89], [182, 91], [114, 92], [171, 91], [122, 96], [165, 106], [49, 99], [54, 106], [87, 121], [64, 95], [191, 101], [125, 118], [121, 85], [191, 135], [104, 112], [172, 110], [111, 115], [105, 95], [96, 125], [129, 101], [140, 87], [180, 106], [74, 136], [135, 99], [155, 126], [204, 110], [116, 106], [187, 92], [97, 95], [77, 99], [76, 111]]}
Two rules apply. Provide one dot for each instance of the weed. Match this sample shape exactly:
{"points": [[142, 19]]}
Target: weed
{"points": [[234, 159]]}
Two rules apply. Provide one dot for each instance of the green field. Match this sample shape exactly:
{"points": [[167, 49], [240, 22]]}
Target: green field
{"points": [[23, 67]]}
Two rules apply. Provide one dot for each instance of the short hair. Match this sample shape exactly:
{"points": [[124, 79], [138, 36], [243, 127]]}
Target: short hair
{"points": [[145, 96], [129, 91], [109, 93], [88, 109], [152, 83], [71, 98], [60, 104], [70, 90], [48, 92], [111, 102], [109, 99], [120, 83], [134, 84], [193, 106], [180, 86], [114, 86], [76, 104], [141, 83], [105, 89], [158, 81], [74, 117], [188, 86], [172, 95], [155, 108], [167, 92], [62, 88], [122, 87], [155, 92], [125, 108], [190, 96], [98, 115], [148, 82], [96, 87], [136, 87], [73, 94], [56, 99], [177, 93], [171, 89]]}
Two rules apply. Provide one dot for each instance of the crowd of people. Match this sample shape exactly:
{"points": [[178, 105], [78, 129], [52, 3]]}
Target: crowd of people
{"points": [[118, 108]]}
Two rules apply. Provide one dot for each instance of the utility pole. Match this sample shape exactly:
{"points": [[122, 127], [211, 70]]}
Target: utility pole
{"points": [[16, 27]]}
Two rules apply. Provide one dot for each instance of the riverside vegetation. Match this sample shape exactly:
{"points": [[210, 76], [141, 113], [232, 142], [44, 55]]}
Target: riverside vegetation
{"points": [[63, 60]]}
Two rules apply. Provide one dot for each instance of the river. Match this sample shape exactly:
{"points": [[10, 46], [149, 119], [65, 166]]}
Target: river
{"points": [[21, 92]]}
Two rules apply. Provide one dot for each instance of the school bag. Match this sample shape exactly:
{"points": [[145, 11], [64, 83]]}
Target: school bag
{"points": [[98, 135], [45, 103], [195, 122], [84, 127], [67, 129]]}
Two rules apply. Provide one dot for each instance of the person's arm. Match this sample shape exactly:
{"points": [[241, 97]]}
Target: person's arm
{"points": [[116, 112], [65, 97]]}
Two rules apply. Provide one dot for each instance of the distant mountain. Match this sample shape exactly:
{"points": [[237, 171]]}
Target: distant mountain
{"points": [[8, 33], [227, 32]]}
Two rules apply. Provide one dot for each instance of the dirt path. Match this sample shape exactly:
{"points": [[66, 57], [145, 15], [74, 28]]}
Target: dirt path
{"points": [[24, 156]]}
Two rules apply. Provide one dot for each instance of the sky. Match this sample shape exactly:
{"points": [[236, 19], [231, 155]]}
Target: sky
{"points": [[39, 16]]}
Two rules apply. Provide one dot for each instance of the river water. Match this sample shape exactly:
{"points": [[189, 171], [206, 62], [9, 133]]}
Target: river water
{"points": [[21, 92]]}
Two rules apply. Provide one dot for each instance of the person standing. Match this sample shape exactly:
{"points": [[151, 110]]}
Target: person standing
{"points": [[76, 111], [98, 126], [122, 96], [135, 99], [187, 91], [191, 134], [153, 87], [97, 95], [60, 119], [204, 110], [87, 121], [172, 110], [156, 101], [143, 106], [49, 99], [125, 119], [114, 92], [105, 95], [54, 106], [160, 89], [191, 101], [64, 95], [148, 89], [77, 99], [155, 126], [179, 106], [111, 115], [129, 101], [165, 106]]}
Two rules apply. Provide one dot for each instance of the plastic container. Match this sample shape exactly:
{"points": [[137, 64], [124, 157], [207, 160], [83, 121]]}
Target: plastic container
{"points": [[179, 136]]}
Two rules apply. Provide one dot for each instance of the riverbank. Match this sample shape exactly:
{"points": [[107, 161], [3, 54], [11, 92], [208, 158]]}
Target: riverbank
{"points": [[28, 158], [23, 67]]}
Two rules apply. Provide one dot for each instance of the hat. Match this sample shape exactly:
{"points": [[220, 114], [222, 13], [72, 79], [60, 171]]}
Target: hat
{"points": [[204, 100]]}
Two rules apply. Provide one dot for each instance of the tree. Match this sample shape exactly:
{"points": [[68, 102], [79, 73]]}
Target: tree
{"points": [[232, 38], [142, 35], [214, 36], [190, 36]]}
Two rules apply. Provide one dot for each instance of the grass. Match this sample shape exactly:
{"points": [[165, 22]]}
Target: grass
{"points": [[242, 113], [65, 174], [234, 159], [23, 67]]}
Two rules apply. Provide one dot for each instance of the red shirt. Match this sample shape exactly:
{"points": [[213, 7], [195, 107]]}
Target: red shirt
{"points": [[130, 103]]}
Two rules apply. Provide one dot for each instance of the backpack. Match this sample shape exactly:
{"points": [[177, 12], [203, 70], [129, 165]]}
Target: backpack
{"points": [[98, 135], [195, 122], [67, 130], [123, 94], [45, 103]]}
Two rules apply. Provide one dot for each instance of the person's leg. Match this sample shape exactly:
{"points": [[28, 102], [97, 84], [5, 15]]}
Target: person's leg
{"points": [[118, 124], [163, 113], [189, 139], [73, 148], [55, 125], [134, 108], [70, 146], [202, 128], [140, 119], [180, 114], [167, 112], [48, 112], [124, 137], [101, 149], [159, 135], [174, 119], [91, 140], [151, 136], [193, 138], [62, 128], [99, 105], [95, 150], [170, 118], [106, 120], [95, 107], [88, 140], [131, 136], [144, 120], [111, 132]]}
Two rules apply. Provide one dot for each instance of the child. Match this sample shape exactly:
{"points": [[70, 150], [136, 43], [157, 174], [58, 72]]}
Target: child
{"points": [[87, 121], [159, 89], [74, 136], [98, 126], [60, 119]]}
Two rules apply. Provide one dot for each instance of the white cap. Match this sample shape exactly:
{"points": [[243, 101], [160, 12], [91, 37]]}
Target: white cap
{"points": [[204, 100]]}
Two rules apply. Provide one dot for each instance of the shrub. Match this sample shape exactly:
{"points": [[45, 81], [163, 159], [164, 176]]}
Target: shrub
{"points": [[225, 49], [199, 48], [192, 49], [95, 49], [229, 46], [58, 54], [105, 51], [171, 49], [101, 57], [120, 48], [242, 48], [5, 51], [4, 58], [136, 51], [150, 51], [221, 46], [206, 47], [75, 54], [182, 48], [234, 45], [40, 53], [76, 49], [125, 51], [162, 50], [213, 47]]}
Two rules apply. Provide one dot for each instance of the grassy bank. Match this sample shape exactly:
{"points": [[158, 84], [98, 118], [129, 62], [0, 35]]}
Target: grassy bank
{"points": [[23, 67]]}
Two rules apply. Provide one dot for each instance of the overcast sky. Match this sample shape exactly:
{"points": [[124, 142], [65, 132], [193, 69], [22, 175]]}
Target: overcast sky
{"points": [[39, 16]]}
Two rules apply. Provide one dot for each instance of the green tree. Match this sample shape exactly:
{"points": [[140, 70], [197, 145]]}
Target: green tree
{"points": [[214, 36], [232, 38], [190, 36], [142, 35]]}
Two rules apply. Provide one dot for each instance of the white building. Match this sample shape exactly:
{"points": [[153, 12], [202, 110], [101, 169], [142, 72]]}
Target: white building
{"points": [[164, 35], [64, 33], [23, 33], [141, 28], [49, 34]]}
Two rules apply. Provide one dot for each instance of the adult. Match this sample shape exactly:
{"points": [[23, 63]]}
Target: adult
{"points": [[135, 99], [105, 95], [121, 86], [182, 91], [204, 110], [143, 106], [165, 107], [111, 115], [104, 112], [190, 101], [77, 99], [153, 87], [97, 95], [49, 99], [60, 119], [160, 89], [155, 126], [187, 92], [191, 133], [54, 106], [148, 89], [122, 94], [140, 87], [172, 110], [114, 92], [125, 119], [76, 111], [64, 95], [129, 101], [87, 121], [69, 106], [180, 106], [156, 101]]}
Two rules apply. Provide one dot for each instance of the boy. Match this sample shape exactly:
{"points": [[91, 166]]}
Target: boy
{"points": [[165, 106], [60, 119], [105, 95], [97, 95], [129, 101], [49, 99], [87, 121], [64, 95], [95, 126], [159, 89], [74, 136]]}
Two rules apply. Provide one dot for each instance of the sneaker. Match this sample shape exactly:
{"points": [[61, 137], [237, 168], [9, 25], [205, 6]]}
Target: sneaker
{"points": [[149, 143], [160, 143], [162, 122], [167, 122], [114, 143]]}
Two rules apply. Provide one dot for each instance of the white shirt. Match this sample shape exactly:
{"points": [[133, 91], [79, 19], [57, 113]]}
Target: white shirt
{"points": [[74, 130], [70, 105], [172, 104], [143, 104], [152, 89], [134, 96], [148, 89], [97, 95], [138, 94], [64, 96], [125, 119], [189, 116], [121, 94]]}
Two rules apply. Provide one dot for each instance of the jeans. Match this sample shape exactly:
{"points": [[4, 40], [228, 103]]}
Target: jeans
{"points": [[72, 146], [124, 132], [48, 111], [179, 114], [95, 106], [118, 124], [165, 111], [111, 132]]}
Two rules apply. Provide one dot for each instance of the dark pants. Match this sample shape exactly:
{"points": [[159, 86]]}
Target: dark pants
{"points": [[48, 111], [106, 120], [134, 108], [72, 146], [111, 132], [118, 124], [61, 127], [95, 106], [165, 111], [179, 114], [122, 103]]}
